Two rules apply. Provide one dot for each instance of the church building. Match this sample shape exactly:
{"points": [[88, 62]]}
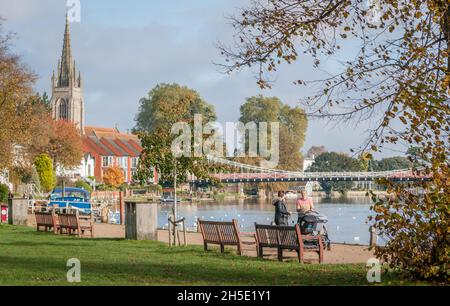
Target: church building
{"points": [[102, 147]]}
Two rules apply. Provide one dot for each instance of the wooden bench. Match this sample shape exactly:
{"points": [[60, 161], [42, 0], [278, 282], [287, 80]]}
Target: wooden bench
{"points": [[46, 220], [221, 233], [70, 223], [286, 238]]}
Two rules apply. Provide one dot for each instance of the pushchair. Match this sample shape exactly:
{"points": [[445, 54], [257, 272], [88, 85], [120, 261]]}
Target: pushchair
{"points": [[314, 223]]}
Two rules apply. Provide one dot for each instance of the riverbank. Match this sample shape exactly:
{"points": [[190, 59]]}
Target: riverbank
{"points": [[32, 258]]}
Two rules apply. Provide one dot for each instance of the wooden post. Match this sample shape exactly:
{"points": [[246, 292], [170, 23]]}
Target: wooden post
{"points": [[373, 236], [184, 233], [122, 208], [170, 231]]}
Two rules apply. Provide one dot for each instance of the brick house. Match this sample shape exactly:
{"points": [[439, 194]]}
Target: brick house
{"points": [[108, 147]]}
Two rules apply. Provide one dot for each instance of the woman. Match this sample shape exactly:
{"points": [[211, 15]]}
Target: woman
{"points": [[281, 213], [304, 203]]}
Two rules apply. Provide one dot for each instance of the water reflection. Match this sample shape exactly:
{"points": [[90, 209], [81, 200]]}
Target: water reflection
{"points": [[347, 217]]}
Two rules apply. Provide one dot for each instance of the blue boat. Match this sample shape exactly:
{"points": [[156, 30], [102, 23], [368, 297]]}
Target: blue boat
{"points": [[75, 198]]}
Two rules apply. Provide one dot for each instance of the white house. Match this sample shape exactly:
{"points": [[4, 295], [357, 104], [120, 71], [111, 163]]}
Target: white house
{"points": [[85, 169], [4, 179], [307, 162]]}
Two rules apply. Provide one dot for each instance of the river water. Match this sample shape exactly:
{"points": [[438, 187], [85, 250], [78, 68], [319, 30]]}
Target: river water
{"points": [[347, 217]]}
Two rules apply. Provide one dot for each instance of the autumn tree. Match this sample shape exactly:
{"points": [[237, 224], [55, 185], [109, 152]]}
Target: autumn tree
{"points": [[114, 177], [396, 73], [291, 135], [16, 98], [60, 139], [64, 143], [293, 125]]}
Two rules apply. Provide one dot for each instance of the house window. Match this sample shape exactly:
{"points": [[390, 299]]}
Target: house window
{"points": [[107, 161], [134, 162], [122, 162]]}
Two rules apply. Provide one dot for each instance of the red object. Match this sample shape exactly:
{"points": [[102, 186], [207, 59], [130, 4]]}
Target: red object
{"points": [[4, 213], [155, 177]]}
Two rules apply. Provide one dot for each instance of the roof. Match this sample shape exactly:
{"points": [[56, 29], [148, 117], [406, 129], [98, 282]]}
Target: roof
{"points": [[70, 189], [108, 133], [110, 142]]}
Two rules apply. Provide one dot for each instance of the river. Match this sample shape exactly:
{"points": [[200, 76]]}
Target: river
{"points": [[347, 217]]}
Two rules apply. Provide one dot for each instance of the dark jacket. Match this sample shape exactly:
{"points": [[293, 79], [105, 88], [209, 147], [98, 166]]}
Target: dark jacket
{"points": [[281, 213]]}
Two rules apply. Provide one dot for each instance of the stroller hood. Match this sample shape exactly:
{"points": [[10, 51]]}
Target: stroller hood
{"points": [[314, 217]]}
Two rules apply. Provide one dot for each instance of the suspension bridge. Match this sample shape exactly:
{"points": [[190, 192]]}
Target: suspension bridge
{"points": [[244, 173]]}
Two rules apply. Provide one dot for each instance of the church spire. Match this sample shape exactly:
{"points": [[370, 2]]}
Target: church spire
{"points": [[67, 94], [67, 65]]}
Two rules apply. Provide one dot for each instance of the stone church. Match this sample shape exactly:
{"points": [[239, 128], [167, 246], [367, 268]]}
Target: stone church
{"points": [[67, 93], [103, 147]]}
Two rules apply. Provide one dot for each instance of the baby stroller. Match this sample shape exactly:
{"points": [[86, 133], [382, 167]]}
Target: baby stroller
{"points": [[313, 223]]}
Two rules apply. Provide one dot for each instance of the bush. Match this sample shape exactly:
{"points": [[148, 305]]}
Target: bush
{"points": [[4, 192], [44, 168], [84, 185], [113, 177], [416, 226]]}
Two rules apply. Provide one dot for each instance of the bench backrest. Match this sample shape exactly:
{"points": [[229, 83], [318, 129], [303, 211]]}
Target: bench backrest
{"points": [[44, 218], [68, 221], [219, 232], [274, 236]]}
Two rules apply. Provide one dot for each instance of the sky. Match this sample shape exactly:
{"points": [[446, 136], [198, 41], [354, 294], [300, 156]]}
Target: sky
{"points": [[125, 48]]}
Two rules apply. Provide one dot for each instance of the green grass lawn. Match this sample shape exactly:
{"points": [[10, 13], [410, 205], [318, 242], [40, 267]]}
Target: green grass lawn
{"points": [[31, 258]]}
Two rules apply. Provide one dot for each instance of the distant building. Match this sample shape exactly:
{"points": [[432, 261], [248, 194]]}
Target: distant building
{"points": [[107, 147], [307, 162], [102, 147]]}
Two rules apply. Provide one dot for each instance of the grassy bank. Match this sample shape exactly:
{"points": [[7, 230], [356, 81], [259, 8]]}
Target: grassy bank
{"points": [[31, 258]]}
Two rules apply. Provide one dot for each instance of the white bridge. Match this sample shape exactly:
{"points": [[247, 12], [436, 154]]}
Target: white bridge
{"points": [[244, 173]]}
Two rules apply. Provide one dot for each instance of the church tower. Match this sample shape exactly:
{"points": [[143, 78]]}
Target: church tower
{"points": [[67, 95]]}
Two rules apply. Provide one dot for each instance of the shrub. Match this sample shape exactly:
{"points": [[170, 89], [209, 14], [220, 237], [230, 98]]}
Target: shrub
{"points": [[4, 192], [113, 177], [416, 226], [44, 168], [84, 185]]}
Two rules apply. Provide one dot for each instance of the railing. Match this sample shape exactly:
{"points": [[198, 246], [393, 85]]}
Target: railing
{"points": [[259, 173]]}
